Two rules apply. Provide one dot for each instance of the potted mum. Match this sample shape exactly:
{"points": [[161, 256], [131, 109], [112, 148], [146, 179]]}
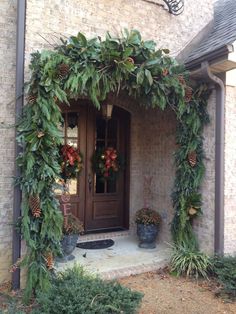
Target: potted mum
{"points": [[148, 221], [72, 228]]}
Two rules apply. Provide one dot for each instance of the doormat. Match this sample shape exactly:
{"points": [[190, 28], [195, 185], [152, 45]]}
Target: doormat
{"points": [[95, 245]]}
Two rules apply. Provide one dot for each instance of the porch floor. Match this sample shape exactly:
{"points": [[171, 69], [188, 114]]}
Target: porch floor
{"points": [[123, 259]]}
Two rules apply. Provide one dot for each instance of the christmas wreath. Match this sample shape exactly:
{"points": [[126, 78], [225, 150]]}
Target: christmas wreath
{"points": [[107, 163], [71, 162]]}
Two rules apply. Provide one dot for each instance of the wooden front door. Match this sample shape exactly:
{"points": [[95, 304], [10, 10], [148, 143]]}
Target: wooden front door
{"points": [[101, 205]]}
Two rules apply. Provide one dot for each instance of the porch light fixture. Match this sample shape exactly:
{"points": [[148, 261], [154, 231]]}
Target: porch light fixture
{"points": [[107, 110]]}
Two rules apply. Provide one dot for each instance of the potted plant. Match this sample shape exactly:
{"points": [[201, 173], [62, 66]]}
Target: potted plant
{"points": [[147, 221], [72, 228]]}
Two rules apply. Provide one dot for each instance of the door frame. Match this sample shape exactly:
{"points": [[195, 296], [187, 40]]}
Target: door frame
{"points": [[75, 106]]}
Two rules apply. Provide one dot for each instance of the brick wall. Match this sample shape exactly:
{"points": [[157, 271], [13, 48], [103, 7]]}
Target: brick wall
{"points": [[48, 20], [230, 171], [204, 226], [152, 147], [7, 118]]}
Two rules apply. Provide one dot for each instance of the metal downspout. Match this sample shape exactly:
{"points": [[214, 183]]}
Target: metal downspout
{"points": [[219, 157], [20, 50]]}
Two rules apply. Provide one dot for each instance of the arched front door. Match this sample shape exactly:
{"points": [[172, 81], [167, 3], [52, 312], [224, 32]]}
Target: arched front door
{"points": [[101, 205]]}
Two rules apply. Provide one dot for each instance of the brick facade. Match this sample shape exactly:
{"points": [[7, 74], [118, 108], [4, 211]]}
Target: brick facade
{"points": [[230, 175], [47, 21], [152, 131], [205, 225], [7, 118]]}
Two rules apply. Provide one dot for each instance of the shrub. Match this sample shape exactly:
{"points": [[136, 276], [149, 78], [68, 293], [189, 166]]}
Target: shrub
{"points": [[190, 262], [224, 269], [74, 291]]}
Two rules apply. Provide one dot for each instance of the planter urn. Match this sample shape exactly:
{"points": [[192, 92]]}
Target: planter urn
{"points": [[68, 244], [147, 235]]}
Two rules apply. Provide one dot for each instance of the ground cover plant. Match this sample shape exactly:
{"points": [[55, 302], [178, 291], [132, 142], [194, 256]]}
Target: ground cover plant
{"points": [[224, 268], [76, 292]]}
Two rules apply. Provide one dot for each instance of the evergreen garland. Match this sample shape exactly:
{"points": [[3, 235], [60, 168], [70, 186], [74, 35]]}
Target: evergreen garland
{"points": [[94, 68]]}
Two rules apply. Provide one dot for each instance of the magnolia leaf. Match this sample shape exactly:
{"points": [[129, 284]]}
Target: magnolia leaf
{"points": [[140, 77], [149, 44], [149, 76], [82, 39]]}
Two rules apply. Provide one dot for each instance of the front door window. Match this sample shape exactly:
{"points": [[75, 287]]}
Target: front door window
{"points": [[106, 136]]}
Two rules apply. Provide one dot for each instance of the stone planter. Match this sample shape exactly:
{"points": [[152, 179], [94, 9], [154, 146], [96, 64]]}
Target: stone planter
{"points": [[68, 244], [147, 235]]}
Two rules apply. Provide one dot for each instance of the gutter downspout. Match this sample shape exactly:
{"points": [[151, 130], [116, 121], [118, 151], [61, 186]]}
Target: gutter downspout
{"points": [[20, 51], [219, 156]]}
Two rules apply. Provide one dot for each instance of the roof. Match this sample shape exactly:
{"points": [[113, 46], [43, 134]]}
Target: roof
{"points": [[222, 33]]}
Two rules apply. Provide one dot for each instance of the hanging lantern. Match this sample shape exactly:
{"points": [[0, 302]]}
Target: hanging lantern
{"points": [[107, 110], [72, 120]]}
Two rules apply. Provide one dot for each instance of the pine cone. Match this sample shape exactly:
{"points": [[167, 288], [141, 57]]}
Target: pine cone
{"points": [[181, 79], [192, 158], [63, 70], [188, 93], [36, 213], [34, 203], [31, 99], [192, 211], [49, 260], [40, 134], [165, 72]]}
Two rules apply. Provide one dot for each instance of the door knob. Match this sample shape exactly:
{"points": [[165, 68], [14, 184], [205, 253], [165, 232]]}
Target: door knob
{"points": [[90, 182]]}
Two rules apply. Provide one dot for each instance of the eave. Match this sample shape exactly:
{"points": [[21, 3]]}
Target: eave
{"points": [[220, 60]]}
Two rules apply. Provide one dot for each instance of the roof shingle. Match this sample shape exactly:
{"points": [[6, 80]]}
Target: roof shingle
{"points": [[222, 33]]}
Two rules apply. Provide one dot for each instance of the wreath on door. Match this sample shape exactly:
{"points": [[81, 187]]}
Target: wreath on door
{"points": [[107, 163], [71, 162]]}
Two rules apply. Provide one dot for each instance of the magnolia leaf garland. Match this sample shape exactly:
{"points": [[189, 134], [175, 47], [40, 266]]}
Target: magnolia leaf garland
{"points": [[94, 68]]}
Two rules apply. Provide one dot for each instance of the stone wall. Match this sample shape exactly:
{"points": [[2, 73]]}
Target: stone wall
{"points": [[7, 118], [230, 172]]}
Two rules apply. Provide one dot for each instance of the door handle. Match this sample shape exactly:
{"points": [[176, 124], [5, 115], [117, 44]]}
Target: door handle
{"points": [[90, 182]]}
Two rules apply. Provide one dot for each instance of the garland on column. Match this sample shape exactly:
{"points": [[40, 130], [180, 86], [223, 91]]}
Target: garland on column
{"points": [[93, 69]]}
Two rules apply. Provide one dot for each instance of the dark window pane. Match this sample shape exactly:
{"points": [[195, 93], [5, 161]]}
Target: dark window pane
{"points": [[100, 145], [100, 128], [112, 129], [99, 185], [111, 144]]}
